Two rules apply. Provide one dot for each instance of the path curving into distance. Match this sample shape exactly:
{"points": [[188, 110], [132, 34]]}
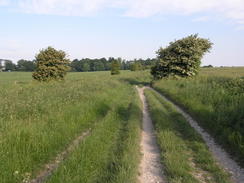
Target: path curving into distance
{"points": [[151, 170], [222, 157]]}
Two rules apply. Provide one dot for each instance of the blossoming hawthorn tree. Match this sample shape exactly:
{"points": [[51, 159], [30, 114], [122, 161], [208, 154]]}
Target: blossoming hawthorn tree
{"points": [[181, 58], [51, 65]]}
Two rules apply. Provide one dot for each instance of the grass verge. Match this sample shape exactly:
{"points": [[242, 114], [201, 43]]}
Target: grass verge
{"points": [[111, 153], [185, 156], [216, 101]]}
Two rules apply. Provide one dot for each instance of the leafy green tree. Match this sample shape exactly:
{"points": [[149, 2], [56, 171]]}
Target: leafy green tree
{"points": [[136, 66], [115, 67], [99, 66], [52, 64], [25, 65], [181, 58], [123, 65], [103, 64], [10, 66], [76, 65], [208, 66], [110, 61], [1, 66], [85, 67]]}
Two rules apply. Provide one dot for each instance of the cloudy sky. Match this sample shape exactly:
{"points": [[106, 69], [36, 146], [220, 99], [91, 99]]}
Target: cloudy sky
{"points": [[120, 28]]}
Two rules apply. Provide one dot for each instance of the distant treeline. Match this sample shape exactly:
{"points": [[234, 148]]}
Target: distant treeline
{"points": [[22, 65], [83, 65]]}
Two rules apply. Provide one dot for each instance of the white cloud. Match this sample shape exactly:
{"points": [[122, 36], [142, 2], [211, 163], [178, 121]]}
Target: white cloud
{"points": [[63, 7], [4, 2], [231, 9], [240, 28], [201, 19]]}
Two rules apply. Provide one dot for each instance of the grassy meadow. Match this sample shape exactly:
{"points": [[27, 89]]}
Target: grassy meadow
{"points": [[185, 156], [39, 120], [216, 99]]}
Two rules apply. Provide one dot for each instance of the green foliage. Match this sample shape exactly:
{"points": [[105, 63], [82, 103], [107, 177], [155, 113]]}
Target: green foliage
{"points": [[9, 66], [85, 67], [80, 65], [51, 65], [115, 67], [181, 58], [22, 65], [136, 66], [208, 66], [103, 64], [1, 66], [26, 65]]}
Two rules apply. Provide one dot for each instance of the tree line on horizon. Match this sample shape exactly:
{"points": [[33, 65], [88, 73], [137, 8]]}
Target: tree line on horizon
{"points": [[181, 58], [83, 65]]}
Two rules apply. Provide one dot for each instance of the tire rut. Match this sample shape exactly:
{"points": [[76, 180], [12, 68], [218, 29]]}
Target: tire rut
{"points": [[50, 167]]}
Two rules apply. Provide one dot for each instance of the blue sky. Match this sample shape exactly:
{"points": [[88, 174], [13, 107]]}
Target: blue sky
{"points": [[120, 28]]}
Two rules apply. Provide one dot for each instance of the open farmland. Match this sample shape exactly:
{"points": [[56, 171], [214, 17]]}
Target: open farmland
{"points": [[38, 121]]}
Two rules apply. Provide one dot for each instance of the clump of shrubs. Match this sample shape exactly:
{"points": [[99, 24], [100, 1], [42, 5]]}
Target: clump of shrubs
{"points": [[52, 64], [136, 66], [115, 67]]}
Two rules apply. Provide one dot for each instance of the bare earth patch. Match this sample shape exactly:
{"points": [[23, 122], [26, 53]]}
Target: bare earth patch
{"points": [[201, 175], [222, 157], [151, 170]]}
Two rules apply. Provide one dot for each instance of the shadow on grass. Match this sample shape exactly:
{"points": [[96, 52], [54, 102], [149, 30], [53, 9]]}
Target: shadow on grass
{"points": [[133, 81], [205, 119], [180, 127], [102, 109], [179, 123], [116, 164]]}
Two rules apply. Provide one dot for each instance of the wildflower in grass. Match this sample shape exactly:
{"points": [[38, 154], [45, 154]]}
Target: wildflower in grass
{"points": [[26, 177], [16, 172]]}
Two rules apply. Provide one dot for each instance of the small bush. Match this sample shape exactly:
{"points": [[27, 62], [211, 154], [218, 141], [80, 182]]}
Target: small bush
{"points": [[115, 67], [136, 66], [51, 65]]}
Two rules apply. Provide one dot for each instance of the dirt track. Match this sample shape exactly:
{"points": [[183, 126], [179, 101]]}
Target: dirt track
{"points": [[151, 170]]}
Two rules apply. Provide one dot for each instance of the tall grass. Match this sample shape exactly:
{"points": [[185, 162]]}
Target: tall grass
{"points": [[185, 156], [39, 120], [111, 153], [216, 99]]}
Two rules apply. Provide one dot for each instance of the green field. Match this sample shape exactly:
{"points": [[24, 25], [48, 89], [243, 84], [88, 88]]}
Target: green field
{"points": [[40, 120], [37, 121]]}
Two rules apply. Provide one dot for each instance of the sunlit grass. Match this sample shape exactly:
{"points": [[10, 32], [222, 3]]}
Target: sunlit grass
{"points": [[184, 154], [216, 99], [39, 120]]}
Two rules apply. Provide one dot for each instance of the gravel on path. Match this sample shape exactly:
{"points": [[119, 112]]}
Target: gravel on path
{"points": [[151, 169]]}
